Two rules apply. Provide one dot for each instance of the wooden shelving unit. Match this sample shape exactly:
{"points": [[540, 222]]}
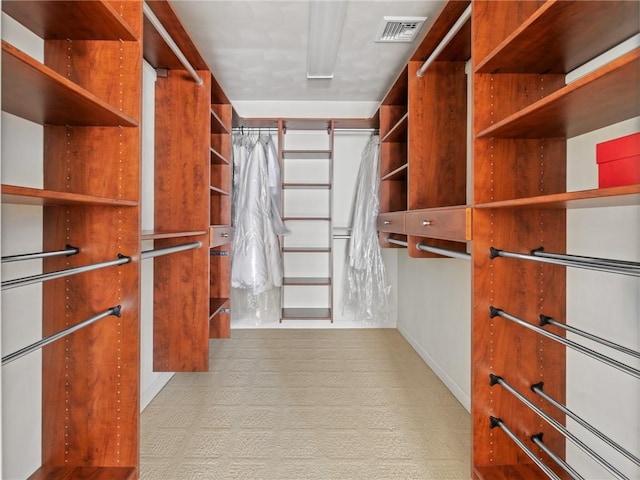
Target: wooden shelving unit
{"points": [[90, 381], [519, 186]]}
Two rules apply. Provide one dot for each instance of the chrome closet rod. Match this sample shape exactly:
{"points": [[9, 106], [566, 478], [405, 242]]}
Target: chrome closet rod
{"points": [[568, 343], [63, 333], [445, 41], [544, 320], [537, 439], [443, 251], [619, 269], [497, 422], [582, 259], [20, 282], [397, 242], [157, 252], [497, 380], [537, 388], [170, 43], [68, 251]]}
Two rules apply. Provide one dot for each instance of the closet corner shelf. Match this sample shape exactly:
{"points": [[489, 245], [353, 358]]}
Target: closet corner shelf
{"points": [[306, 314], [88, 20], [217, 304], [599, 197], [161, 234], [218, 159], [399, 173], [306, 281], [35, 92], [570, 45], [398, 133], [34, 196], [217, 125], [604, 97], [307, 154], [93, 473], [218, 191], [325, 186]]}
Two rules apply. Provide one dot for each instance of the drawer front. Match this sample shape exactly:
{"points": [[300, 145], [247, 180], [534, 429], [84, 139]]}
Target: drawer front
{"points": [[391, 222], [447, 224], [220, 235]]}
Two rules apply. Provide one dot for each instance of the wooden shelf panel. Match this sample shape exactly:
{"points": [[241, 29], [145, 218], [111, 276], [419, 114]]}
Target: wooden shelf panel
{"points": [[307, 154], [399, 173], [34, 92], [307, 281], [84, 473], [604, 97], [306, 314], [218, 159], [306, 124], [59, 20], [599, 197], [218, 191], [320, 186], [306, 250], [34, 196], [556, 40], [216, 304], [217, 125], [397, 94], [398, 132], [157, 234]]}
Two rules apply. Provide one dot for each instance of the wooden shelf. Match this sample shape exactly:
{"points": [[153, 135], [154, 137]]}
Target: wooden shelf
{"points": [[606, 96], [34, 92], [398, 133], [61, 20], [325, 186], [86, 473], [308, 281], [556, 40], [306, 124], [217, 304], [306, 314], [217, 125], [156, 235], [218, 159], [399, 173], [296, 219], [34, 196], [218, 191], [599, 197], [306, 250], [397, 94], [306, 154]]}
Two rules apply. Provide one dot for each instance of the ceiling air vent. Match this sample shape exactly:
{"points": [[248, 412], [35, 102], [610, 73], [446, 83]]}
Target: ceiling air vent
{"points": [[399, 29]]}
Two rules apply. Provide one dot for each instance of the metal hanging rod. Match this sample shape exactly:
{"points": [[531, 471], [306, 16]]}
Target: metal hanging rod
{"points": [[68, 251], [170, 43], [537, 388], [597, 266], [20, 282], [545, 320], [569, 343], [537, 439], [539, 252], [397, 242], [443, 251], [157, 252], [497, 380], [63, 333], [497, 422], [445, 41]]}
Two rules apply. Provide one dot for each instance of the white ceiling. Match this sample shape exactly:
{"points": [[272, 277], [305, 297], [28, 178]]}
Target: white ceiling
{"points": [[257, 49]]}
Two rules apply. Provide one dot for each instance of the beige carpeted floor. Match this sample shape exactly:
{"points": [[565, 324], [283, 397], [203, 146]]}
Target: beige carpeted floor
{"points": [[307, 404]]}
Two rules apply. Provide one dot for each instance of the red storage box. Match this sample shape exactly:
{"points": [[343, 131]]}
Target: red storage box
{"points": [[619, 161]]}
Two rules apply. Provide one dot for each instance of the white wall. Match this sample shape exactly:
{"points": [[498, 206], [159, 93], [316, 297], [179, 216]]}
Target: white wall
{"points": [[22, 154]]}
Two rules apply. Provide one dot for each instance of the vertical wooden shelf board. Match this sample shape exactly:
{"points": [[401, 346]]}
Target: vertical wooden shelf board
{"points": [[182, 169], [91, 378], [506, 169]]}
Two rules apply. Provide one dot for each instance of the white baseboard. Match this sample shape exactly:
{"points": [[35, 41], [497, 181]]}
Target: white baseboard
{"points": [[154, 389], [455, 389]]}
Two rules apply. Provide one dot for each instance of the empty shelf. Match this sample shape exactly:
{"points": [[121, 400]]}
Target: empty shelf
{"points": [[217, 304], [306, 314], [158, 234], [218, 159], [306, 250], [218, 191], [325, 186], [36, 196]]}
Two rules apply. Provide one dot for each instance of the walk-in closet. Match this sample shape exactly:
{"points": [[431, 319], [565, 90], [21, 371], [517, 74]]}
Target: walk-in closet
{"points": [[321, 240]]}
